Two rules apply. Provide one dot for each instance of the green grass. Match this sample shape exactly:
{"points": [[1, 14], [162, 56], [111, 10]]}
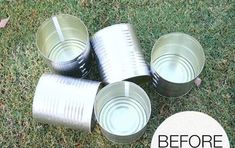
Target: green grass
{"points": [[211, 22]]}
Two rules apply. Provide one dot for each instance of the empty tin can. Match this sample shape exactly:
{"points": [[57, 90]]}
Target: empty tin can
{"points": [[122, 109], [119, 56], [63, 41], [65, 101], [176, 61]]}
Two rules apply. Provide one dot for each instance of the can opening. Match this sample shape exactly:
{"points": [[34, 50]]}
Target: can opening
{"points": [[62, 38], [177, 58], [122, 109]]}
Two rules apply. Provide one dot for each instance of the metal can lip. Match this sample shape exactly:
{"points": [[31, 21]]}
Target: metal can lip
{"points": [[84, 52], [109, 27], [186, 36], [111, 102]]}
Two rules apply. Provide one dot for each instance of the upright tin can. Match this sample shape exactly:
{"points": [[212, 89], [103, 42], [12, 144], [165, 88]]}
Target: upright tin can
{"points": [[119, 55], [63, 41], [66, 101], [122, 109], [177, 59]]}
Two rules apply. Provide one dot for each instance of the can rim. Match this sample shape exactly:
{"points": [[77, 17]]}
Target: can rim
{"points": [[189, 37], [44, 23], [107, 28], [139, 90]]}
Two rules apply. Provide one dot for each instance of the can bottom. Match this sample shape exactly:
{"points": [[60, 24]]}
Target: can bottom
{"points": [[123, 116], [66, 50], [174, 68]]}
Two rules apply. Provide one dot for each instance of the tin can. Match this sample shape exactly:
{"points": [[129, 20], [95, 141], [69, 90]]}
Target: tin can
{"points": [[122, 109], [66, 101], [63, 41], [119, 56], [177, 59]]}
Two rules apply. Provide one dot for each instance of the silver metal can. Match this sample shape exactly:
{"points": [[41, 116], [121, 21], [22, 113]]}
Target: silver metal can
{"points": [[66, 101], [119, 56], [177, 59], [122, 109], [63, 41]]}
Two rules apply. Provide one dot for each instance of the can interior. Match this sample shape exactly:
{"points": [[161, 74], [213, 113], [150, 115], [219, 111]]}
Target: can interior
{"points": [[122, 108], [62, 38], [177, 58]]}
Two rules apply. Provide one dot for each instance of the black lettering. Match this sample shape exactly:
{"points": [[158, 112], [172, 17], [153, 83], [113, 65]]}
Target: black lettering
{"points": [[217, 141], [161, 140], [182, 140], [199, 141], [206, 141], [172, 140]]}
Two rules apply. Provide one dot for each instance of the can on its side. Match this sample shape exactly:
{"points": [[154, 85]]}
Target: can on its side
{"points": [[122, 109], [63, 41], [177, 59], [119, 55], [65, 101]]}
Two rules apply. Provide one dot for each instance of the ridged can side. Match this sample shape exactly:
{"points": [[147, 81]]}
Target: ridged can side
{"points": [[66, 101], [119, 55], [177, 59], [63, 41], [122, 109]]}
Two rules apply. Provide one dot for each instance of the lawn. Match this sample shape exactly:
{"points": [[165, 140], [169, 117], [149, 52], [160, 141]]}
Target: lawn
{"points": [[211, 22]]}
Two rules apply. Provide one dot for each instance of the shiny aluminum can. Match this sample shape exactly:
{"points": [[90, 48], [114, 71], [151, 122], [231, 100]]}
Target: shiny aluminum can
{"points": [[177, 59], [119, 55], [122, 109], [63, 41], [65, 101]]}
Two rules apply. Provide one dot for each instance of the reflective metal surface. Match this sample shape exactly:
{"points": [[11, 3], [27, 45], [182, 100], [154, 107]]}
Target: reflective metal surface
{"points": [[119, 55], [65, 101], [176, 61], [122, 109], [63, 41]]}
